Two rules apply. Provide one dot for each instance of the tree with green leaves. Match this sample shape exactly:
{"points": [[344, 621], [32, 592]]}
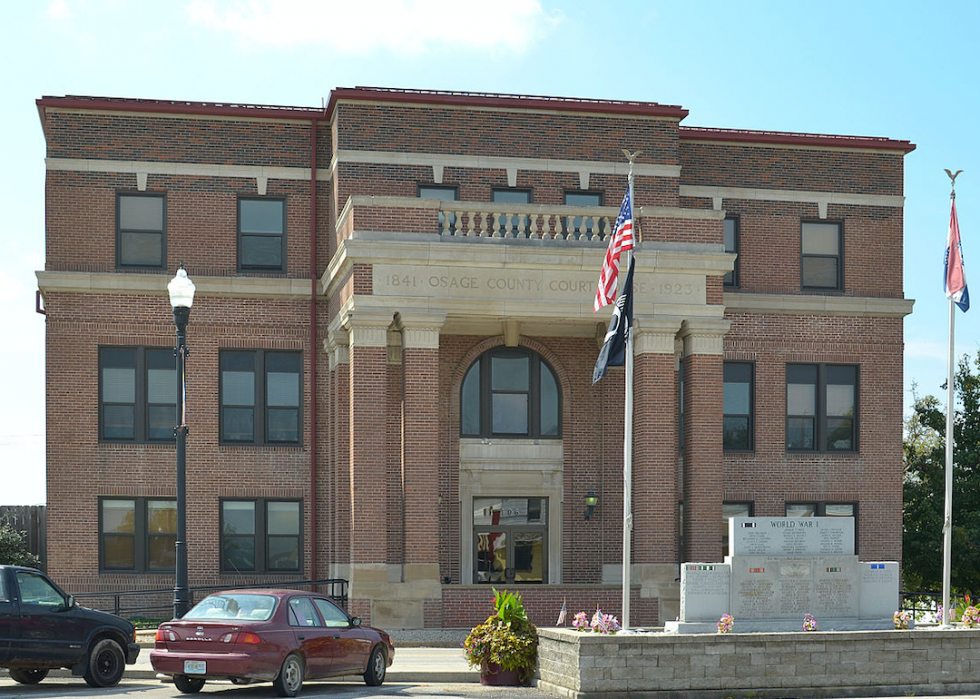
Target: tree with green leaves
{"points": [[925, 487], [13, 546]]}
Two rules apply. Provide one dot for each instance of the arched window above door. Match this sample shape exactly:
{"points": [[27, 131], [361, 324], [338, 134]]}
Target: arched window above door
{"points": [[510, 392]]}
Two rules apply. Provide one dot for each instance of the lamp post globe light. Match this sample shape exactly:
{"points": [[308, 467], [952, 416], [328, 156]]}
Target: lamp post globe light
{"points": [[181, 290]]}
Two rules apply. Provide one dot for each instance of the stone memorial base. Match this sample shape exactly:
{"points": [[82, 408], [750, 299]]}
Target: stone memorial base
{"points": [[782, 625], [931, 661]]}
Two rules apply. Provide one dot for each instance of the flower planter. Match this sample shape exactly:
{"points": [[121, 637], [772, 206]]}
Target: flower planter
{"points": [[493, 674]]}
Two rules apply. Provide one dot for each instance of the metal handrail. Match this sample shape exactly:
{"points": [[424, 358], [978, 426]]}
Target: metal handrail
{"points": [[336, 588]]}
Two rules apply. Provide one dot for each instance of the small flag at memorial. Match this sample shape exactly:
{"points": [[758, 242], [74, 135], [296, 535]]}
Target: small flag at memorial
{"points": [[562, 614]]}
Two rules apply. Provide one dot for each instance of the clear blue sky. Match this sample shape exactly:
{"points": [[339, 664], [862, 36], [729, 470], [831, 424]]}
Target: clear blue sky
{"points": [[905, 70]]}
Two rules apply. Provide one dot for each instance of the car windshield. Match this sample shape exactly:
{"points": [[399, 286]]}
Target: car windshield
{"points": [[233, 606]]}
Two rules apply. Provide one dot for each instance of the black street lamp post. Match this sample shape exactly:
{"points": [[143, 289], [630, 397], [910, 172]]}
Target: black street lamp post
{"points": [[181, 290]]}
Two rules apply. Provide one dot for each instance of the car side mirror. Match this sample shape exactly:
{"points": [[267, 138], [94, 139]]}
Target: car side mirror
{"points": [[71, 602], [355, 621]]}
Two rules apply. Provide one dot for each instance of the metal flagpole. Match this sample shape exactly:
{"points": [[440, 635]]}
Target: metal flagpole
{"points": [[628, 428], [948, 515], [950, 412]]}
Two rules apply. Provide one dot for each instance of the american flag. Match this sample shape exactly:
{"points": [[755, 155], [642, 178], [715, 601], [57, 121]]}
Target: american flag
{"points": [[954, 278], [621, 239], [562, 614]]}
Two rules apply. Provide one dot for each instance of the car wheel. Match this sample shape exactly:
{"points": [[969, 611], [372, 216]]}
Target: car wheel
{"points": [[26, 676], [377, 666], [290, 678], [188, 685], [106, 664]]}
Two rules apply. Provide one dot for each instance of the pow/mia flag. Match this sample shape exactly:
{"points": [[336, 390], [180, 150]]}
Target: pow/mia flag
{"points": [[613, 352]]}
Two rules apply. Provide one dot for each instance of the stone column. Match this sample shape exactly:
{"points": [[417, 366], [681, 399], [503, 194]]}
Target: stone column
{"points": [[703, 465], [335, 505], [367, 414], [420, 447], [655, 459]]}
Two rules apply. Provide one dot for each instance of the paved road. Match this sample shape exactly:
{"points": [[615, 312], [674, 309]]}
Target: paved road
{"points": [[69, 688]]}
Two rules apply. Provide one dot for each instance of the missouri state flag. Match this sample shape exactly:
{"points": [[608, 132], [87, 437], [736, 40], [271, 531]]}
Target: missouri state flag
{"points": [[954, 278]]}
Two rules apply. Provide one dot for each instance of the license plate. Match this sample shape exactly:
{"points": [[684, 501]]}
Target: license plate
{"points": [[195, 667]]}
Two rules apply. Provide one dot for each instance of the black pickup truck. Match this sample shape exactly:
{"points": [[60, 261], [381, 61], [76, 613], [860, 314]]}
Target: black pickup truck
{"points": [[42, 628]]}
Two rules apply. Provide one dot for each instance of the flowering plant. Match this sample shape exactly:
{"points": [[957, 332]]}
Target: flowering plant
{"points": [[902, 619], [726, 623], [809, 623], [600, 623], [971, 617], [939, 614], [507, 639], [604, 623]]}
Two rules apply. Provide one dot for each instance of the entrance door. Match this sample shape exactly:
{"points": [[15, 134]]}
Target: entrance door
{"points": [[510, 540]]}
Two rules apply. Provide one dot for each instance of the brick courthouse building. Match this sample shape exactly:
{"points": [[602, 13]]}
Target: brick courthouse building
{"points": [[392, 343]]}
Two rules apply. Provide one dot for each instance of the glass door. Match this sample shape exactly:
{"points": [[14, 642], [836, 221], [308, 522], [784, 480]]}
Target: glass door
{"points": [[510, 540]]}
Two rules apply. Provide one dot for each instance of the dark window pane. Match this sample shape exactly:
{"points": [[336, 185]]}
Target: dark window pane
{"points": [[162, 552], [820, 272], [119, 552], [288, 362], [821, 239], [510, 413], [238, 517], [261, 251], [141, 249], [119, 516], [138, 213], [736, 433], [282, 518], [118, 422], [161, 421], [238, 425], [283, 425], [549, 402], [470, 401], [283, 553], [491, 556], [261, 215], [238, 553], [510, 372], [840, 434], [799, 433], [529, 557]]}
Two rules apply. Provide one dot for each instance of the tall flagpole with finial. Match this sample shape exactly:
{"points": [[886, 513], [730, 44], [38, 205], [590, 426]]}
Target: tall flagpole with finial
{"points": [[628, 428], [955, 284]]}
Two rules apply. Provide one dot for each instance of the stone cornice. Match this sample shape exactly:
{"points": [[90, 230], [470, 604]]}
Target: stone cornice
{"points": [[439, 161], [821, 199], [156, 284], [806, 304]]}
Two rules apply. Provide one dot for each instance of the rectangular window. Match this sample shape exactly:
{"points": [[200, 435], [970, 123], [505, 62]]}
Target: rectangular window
{"points": [[447, 225], [731, 245], [261, 536], [825, 509], [510, 537], [261, 396], [821, 407], [137, 534], [739, 407], [729, 510], [512, 225], [821, 263], [137, 394], [141, 231], [262, 234], [578, 226]]}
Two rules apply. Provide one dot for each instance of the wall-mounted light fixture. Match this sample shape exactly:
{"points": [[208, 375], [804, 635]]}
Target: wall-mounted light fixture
{"points": [[591, 500]]}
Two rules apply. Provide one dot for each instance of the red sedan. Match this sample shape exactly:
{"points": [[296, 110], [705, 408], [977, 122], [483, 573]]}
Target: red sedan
{"points": [[282, 636]]}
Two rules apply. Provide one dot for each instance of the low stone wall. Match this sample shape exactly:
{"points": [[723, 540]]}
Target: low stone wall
{"points": [[709, 666]]}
